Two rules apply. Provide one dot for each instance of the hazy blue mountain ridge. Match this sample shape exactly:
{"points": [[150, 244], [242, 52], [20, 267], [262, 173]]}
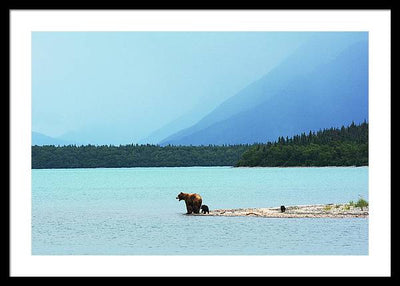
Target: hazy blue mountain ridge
{"points": [[40, 139], [315, 88]]}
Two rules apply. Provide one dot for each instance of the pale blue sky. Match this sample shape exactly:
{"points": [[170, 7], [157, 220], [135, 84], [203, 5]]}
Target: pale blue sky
{"points": [[118, 87]]}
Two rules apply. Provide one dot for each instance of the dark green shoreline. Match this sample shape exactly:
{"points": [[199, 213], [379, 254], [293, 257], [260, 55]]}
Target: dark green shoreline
{"points": [[347, 146]]}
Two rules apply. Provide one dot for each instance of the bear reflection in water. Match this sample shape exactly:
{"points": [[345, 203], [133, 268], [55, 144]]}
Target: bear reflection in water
{"points": [[193, 202]]}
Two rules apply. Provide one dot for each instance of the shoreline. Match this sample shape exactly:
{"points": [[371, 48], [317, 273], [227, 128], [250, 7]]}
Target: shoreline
{"points": [[299, 211], [201, 166]]}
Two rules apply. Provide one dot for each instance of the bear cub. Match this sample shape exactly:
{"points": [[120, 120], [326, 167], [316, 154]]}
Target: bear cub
{"points": [[204, 209]]}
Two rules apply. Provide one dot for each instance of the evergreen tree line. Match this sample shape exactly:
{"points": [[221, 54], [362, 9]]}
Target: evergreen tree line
{"points": [[345, 146], [133, 155]]}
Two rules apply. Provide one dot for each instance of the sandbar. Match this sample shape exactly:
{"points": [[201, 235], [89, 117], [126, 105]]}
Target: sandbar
{"points": [[300, 211]]}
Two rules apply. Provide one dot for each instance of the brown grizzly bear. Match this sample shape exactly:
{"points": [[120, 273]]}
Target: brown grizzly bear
{"points": [[193, 202]]}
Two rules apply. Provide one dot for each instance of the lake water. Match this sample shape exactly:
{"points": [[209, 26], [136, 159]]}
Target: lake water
{"points": [[133, 211]]}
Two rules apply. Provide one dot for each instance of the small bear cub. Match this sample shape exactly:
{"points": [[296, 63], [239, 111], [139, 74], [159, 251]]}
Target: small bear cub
{"points": [[204, 209]]}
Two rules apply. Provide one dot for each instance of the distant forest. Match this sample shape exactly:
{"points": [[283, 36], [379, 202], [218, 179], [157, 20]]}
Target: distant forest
{"points": [[347, 146], [109, 156]]}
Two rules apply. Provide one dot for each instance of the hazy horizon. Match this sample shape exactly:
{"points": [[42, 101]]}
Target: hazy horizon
{"points": [[121, 87]]}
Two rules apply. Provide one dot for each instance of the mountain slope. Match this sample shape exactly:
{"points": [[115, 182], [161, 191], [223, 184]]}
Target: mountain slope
{"points": [[40, 139], [182, 122], [332, 90]]}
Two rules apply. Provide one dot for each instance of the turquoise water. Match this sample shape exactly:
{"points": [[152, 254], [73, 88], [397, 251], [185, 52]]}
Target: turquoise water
{"points": [[133, 211]]}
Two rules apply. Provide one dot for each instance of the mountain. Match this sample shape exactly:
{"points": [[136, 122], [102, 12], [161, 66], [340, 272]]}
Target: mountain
{"points": [[323, 84], [40, 139], [184, 121]]}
